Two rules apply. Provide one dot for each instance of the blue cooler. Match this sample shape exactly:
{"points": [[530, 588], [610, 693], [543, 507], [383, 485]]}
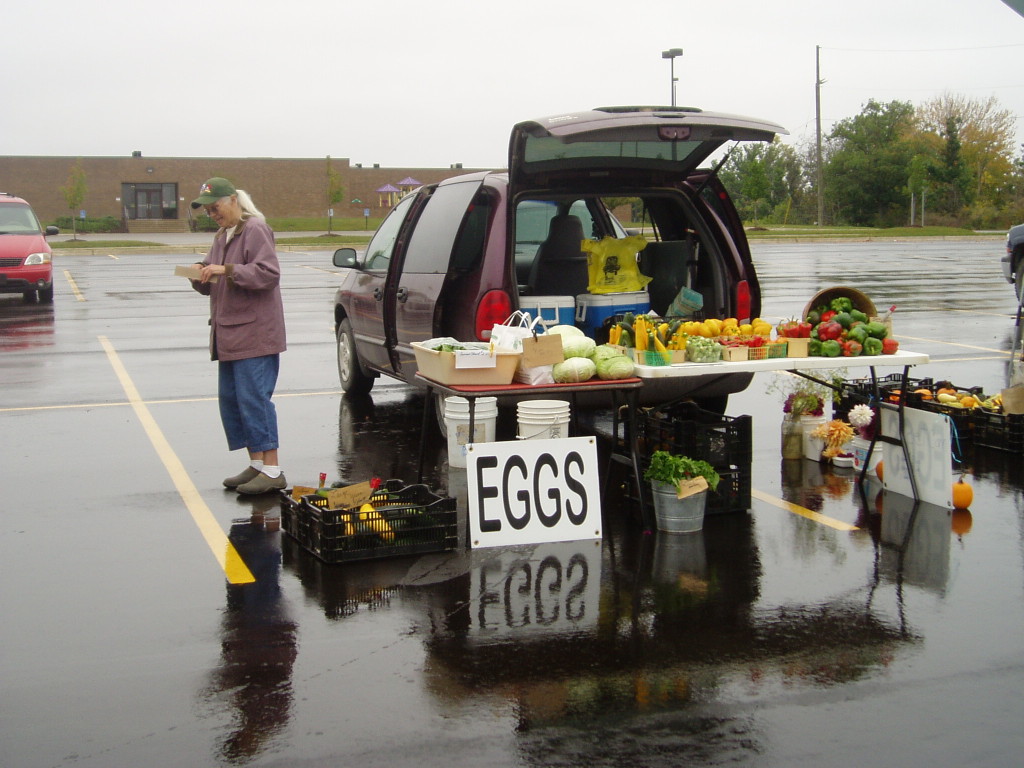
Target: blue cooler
{"points": [[592, 309], [552, 310]]}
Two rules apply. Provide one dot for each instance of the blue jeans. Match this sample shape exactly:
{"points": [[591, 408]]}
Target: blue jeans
{"points": [[245, 388]]}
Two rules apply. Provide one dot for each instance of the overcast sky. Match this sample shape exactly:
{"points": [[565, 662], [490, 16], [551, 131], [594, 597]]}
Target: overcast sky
{"points": [[414, 84]]}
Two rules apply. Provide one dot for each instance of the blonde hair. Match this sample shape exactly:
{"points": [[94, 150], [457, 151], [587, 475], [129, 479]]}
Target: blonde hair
{"points": [[246, 204]]}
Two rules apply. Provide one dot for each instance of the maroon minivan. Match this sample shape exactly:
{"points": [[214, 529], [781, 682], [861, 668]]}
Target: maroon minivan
{"points": [[454, 258]]}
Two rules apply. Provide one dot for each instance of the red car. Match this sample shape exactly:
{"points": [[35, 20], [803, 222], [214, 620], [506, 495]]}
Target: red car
{"points": [[454, 258], [25, 258]]}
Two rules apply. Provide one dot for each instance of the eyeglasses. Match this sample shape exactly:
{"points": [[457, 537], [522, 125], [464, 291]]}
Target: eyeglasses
{"points": [[211, 208]]}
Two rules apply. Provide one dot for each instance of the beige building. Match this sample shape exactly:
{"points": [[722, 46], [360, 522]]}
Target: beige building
{"points": [[153, 193]]}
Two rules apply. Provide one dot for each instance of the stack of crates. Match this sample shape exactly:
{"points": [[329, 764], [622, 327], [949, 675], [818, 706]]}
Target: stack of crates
{"points": [[725, 442]]}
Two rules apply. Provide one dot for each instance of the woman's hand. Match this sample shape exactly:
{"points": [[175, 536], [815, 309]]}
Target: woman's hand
{"points": [[209, 270]]}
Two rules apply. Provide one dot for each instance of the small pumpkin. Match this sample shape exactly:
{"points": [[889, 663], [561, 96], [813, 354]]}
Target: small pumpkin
{"points": [[926, 394], [945, 391], [963, 494], [880, 470]]}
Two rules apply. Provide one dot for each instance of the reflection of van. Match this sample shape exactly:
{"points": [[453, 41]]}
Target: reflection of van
{"points": [[25, 256], [469, 247]]}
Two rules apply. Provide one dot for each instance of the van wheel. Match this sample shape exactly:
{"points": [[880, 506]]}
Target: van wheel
{"points": [[350, 373], [46, 295], [1018, 282], [439, 413]]}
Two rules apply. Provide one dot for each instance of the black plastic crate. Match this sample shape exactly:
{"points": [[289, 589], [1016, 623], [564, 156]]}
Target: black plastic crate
{"points": [[857, 391], [725, 442], [406, 520], [1002, 431]]}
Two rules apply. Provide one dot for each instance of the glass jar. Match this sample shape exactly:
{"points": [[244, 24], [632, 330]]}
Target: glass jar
{"points": [[792, 439]]}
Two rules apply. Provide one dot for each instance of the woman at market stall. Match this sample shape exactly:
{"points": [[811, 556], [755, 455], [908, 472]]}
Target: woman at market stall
{"points": [[241, 275]]}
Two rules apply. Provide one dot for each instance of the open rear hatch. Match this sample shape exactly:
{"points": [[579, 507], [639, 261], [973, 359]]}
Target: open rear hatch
{"points": [[660, 144]]}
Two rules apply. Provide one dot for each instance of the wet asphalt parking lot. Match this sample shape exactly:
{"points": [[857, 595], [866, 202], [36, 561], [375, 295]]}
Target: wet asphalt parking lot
{"points": [[869, 633]]}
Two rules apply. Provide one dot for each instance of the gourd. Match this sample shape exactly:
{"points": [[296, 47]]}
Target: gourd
{"points": [[963, 494]]}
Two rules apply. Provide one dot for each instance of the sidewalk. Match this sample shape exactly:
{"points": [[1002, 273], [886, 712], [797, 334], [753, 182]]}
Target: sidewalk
{"points": [[177, 242]]}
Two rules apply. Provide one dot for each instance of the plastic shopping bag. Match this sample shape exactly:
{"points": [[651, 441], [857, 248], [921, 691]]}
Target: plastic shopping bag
{"points": [[612, 265], [516, 327]]}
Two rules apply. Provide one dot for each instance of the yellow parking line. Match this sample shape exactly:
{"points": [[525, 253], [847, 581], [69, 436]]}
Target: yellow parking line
{"points": [[796, 509], [235, 569], [74, 285]]}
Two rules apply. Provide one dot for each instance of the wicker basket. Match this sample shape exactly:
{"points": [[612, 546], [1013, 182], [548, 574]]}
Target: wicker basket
{"points": [[860, 300]]}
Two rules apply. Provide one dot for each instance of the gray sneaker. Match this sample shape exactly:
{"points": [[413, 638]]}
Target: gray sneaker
{"points": [[262, 484], [249, 473]]}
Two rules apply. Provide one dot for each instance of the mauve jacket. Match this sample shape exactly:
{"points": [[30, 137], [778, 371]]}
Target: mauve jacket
{"points": [[246, 312]]}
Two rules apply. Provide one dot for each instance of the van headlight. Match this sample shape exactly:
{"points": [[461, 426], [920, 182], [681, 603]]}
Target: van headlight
{"points": [[37, 258]]}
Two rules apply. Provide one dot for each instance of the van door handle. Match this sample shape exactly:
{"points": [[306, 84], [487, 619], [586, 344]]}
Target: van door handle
{"points": [[403, 294]]}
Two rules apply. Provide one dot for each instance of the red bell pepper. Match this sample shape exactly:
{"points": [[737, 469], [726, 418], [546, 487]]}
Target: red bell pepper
{"points": [[889, 346], [829, 330]]}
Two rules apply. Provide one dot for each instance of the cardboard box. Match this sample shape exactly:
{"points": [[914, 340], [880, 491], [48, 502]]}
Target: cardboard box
{"points": [[191, 272], [444, 368]]}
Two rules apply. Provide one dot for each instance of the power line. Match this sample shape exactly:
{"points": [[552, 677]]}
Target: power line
{"points": [[922, 50]]}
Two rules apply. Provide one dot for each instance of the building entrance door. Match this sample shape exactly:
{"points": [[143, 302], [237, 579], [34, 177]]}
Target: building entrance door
{"points": [[148, 203]]}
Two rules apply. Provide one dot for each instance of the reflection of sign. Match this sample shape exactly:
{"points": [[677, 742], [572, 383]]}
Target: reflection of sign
{"points": [[554, 588], [532, 491], [916, 542], [927, 440]]}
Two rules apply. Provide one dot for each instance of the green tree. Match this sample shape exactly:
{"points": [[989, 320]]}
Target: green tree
{"points": [[974, 141], [763, 178], [74, 192], [335, 190], [866, 168]]}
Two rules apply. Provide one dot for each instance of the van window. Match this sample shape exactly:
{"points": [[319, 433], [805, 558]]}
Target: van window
{"points": [[378, 252], [469, 247], [433, 239]]}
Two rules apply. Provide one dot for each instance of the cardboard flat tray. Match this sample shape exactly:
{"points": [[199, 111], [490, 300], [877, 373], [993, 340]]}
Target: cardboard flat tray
{"points": [[443, 368]]}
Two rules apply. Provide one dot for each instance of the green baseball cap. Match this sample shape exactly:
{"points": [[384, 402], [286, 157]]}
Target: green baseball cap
{"points": [[213, 190]]}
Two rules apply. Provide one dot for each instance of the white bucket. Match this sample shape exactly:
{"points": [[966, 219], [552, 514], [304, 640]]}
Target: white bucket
{"points": [[543, 419], [456, 421], [860, 454]]}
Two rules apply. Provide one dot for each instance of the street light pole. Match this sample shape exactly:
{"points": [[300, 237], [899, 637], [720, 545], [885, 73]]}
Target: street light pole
{"points": [[671, 54]]}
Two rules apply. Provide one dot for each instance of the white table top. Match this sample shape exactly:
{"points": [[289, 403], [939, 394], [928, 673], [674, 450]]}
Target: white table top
{"points": [[900, 359]]}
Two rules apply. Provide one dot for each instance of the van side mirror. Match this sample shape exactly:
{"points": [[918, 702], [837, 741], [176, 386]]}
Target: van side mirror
{"points": [[345, 257], [51, 230]]}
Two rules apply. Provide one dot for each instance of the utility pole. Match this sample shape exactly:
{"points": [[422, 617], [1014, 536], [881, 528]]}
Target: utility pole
{"points": [[819, 176]]}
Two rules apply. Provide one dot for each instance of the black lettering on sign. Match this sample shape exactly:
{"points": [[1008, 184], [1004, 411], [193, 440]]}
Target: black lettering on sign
{"points": [[548, 519], [518, 523], [576, 517], [486, 492]]}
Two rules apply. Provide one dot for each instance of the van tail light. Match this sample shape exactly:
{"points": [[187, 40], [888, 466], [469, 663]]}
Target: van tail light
{"points": [[494, 308], [743, 301]]}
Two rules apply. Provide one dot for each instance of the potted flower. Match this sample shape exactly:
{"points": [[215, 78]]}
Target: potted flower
{"points": [[864, 419], [804, 409], [836, 434], [679, 485]]}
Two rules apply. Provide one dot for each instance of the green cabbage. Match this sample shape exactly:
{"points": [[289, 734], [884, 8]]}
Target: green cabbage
{"points": [[617, 367], [603, 352], [566, 330], [577, 346], [573, 370]]}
